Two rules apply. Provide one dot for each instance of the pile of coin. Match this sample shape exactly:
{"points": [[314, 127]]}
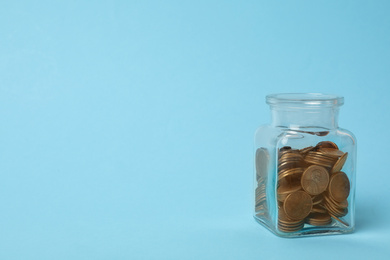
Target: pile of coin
{"points": [[311, 187]]}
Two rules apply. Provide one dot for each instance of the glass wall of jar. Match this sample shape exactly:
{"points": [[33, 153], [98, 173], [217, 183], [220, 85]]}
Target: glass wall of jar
{"points": [[305, 168]]}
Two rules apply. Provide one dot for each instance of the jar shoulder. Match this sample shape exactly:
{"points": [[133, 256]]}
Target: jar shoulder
{"points": [[267, 135], [347, 135]]}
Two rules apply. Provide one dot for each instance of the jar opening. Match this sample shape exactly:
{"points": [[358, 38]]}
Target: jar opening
{"points": [[305, 99]]}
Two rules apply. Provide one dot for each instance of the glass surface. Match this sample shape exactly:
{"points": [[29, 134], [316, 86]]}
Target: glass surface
{"points": [[305, 168]]}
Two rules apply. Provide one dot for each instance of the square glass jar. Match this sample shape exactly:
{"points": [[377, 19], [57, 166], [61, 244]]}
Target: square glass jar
{"points": [[305, 167]]}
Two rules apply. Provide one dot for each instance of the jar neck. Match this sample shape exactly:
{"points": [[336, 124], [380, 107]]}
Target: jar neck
{"points": [[303, 117]]}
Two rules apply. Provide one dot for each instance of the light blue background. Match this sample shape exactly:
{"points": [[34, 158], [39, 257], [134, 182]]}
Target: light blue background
{"points": [[127, 126]]}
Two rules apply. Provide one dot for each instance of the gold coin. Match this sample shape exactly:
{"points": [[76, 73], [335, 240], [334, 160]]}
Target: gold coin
{"points": [[297, 205], [339, 187], [327, 144], [315, 180], [340, 163]]}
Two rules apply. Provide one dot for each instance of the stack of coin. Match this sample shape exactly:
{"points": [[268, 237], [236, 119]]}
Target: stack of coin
{"points": [[320, 158], [311, 187], [319, 219], [260, 197], [336, 197], [287, 224], [261, 161]]}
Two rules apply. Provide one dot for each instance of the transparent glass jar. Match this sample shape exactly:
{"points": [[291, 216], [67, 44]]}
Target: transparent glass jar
{"points": [[305, 168]]}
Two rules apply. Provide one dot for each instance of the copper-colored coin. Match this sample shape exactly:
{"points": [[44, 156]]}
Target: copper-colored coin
{"points": [[287, 224], [327, 144], [290, 158], [319, 219], [317, 199], [340, 220], [289, 165], [297, 205], [340, 163], [259, 208], [290, 172], [285, 148], [285, 220], [340, 205], [331, 152], [315, 180], [333, 209], [319, 209], [319, 158], [291, 229], [343, 204], [287, 188], [306, 150], [339, 187]]}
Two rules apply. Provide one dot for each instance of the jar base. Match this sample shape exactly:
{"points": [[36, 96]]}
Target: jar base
{"points": [[308, 230]]}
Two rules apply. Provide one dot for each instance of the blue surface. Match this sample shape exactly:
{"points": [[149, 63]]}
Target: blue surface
{"points": [[127, 126]]}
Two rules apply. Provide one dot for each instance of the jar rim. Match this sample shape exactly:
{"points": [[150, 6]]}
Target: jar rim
{"points": [[305, 99]]}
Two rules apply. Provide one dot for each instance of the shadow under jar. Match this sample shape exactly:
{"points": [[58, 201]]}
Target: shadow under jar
{"points": [[305, 168]]}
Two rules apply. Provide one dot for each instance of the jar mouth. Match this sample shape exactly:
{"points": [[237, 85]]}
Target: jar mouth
{"points": [[305, 99]]}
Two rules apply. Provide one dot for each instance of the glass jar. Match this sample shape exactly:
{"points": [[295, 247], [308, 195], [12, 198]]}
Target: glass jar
{"points": [[305, 168]]}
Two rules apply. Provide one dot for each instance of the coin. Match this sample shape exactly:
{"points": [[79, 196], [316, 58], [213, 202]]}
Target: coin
{"points": [[340, 220], [287, 224], [310, 188], [342, 204], [317, 199], [285, 148], [327, 144], [287, 188], [319, 219], [305, 150], [340, 163], [331, 152], [318, 158], [339, 187], [297, 172], [318, 209], [297, 205], [315, 180], [290, 157], [259, 208], [333, 209]]}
